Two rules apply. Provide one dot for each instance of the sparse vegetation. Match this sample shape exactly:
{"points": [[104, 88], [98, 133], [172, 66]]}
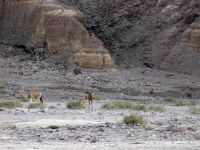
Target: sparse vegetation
{"points": [[188, 91], [99, 97], [118, 105], [77, 71], [3, 89], [156, 108], [53, 127], [73, 95], [140, 107], [168, 75], [42, 66], [76, 105], [10, 104], [23, 99], [195, 109], [135, 119], [180, 103], [130, 105], [35, 105], [170, 99]]}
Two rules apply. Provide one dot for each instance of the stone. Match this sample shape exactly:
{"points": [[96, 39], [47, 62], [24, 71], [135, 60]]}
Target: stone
{"points": [[192, 37], [35, 24]]}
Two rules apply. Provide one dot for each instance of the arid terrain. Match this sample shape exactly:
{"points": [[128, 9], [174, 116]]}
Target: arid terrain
{"points": [[139, 59], [93, 127]]}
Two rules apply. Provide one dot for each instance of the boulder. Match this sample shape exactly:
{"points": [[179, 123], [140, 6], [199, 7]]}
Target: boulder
{"points": [[52, 25]]}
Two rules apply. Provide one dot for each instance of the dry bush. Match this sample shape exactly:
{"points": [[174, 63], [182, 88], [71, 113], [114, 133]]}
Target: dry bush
{"points": [[76, 105], [36, 106], [10, 104], [156, 108], [118, 105], [3, 89], [130, 105], [135, 119]]}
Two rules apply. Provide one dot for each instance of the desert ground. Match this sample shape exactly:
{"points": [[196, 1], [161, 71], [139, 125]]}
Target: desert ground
{"points": [[176, 127]]}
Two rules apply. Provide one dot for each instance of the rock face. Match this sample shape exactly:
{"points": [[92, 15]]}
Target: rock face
{"points": [[146, 32], [49, 24], [192, 36]]}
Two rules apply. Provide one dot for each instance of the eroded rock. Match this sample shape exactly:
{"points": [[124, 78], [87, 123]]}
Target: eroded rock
{"points": [[192, 36], [48, 24]]}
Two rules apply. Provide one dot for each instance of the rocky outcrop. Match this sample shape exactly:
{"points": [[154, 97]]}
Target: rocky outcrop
{"points": [[192, 36], [145, 32], [49, 24]]}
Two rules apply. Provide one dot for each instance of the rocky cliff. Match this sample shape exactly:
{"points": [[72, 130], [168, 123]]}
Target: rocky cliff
{"points": [[154, 33], [34, 24], [160, 34]]}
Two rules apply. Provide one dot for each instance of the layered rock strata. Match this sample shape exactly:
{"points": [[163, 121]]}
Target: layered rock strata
{"points": [[49, 24]]}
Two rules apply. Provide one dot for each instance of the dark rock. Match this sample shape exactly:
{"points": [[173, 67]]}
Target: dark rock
{"points": [[191, 18]]}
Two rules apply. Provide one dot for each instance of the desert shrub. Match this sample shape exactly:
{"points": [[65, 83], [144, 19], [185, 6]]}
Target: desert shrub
{"points": [[99, 97], [53, 127], [195, 109], [170, 99], [76, 105], [139, 107], [23, 99], [118, 105], [3, 89], [42, 66], [77, 71], [10, 104], [168, 75], [156, 108], [133, 106], [180, 103], [135, 119], [35, 105], [192, 103]]}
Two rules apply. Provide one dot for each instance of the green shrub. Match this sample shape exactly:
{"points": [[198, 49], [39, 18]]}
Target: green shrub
{"points": [[130, 105], [35, 105], [3, 89], [77, 71], [22, 99], [76, 105], [135, 119], [118, 105], [10, 104]]}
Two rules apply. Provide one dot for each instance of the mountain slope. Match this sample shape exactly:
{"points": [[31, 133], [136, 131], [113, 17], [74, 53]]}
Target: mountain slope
{"points": [[145, 32]]}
